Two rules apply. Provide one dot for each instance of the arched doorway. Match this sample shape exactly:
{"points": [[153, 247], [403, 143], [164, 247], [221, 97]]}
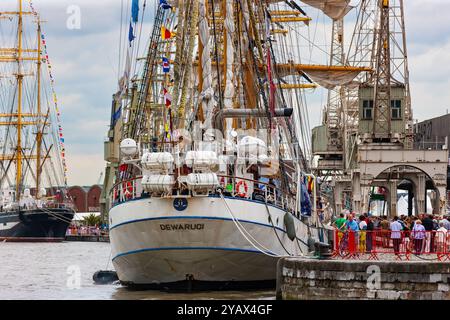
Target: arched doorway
{"points": [[416, 185]]}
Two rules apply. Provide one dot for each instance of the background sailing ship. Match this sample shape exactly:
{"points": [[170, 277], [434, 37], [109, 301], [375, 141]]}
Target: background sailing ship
{"points": [[33, 201]]}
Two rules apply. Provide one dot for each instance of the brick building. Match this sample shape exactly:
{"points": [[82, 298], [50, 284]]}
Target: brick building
{"points": [[86, 199]]}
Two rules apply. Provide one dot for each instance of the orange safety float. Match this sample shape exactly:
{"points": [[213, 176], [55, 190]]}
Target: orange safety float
{"points": [[238, 189]]}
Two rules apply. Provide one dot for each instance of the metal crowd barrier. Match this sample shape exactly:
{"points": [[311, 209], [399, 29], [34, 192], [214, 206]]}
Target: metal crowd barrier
{"points": [[371, 244]]}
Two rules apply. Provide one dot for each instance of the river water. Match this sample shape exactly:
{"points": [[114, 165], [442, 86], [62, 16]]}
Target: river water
{"points": [[63, 271]]}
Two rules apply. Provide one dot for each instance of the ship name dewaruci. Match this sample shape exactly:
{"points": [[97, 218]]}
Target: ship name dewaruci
{"points": [[181, 227]]}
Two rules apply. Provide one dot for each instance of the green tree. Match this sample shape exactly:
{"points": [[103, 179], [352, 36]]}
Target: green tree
{"points": [[92, 220]]}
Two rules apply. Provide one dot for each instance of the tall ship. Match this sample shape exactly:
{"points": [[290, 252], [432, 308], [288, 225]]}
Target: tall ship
{"points": [[209, 177], [34, 205]]}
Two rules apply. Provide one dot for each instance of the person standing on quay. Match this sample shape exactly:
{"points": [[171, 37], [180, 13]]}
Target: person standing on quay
{"points": [[396, 234], [351, 224], [339, 224], [446, 222], [418, 234], [428, 224], [441, 238], [353, 229], [362, 234], [370, 233], [385, 231]]}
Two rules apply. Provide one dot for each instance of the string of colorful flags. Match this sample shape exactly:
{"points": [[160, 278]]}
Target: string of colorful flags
{"points": [[165, 35], [309, 182], [55, 98]]}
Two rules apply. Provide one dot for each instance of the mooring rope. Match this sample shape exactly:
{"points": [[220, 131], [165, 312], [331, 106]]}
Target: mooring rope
{"points": [[247, 235], [275, 230], [56, 215], [242, 230]]}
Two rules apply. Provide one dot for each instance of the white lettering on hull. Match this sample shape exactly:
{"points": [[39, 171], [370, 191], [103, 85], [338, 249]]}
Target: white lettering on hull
{"points": [[8, 225]]}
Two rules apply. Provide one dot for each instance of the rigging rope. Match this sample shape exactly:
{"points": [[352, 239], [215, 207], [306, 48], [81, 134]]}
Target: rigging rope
{"points": [[258, 246], [61, 144], [187, 74], [274, 229]]}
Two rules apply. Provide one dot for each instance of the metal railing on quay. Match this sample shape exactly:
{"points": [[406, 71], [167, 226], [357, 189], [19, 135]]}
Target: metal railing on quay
{"points": [[380, 243]]}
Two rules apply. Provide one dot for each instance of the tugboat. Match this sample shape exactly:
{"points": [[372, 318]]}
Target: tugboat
{"points": [[34, 205]]}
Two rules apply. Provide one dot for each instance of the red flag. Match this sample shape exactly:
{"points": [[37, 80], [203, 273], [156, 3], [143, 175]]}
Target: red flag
{"points": [[166, 33], [167, 98]]}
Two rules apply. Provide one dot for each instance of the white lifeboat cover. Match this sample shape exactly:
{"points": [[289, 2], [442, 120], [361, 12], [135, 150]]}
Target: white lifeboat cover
{"points": [[202, 181], [201, 159], [157, 160], [158, 183], [251, 147]]}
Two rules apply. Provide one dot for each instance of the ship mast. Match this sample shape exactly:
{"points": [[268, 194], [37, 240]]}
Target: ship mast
{"points": [[19, 104], [39, 133], [21, 118]]}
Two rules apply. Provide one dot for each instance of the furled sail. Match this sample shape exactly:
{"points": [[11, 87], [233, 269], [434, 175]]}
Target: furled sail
{"points": [[207, 95], [335, 9], [229, 86], [326, 76], [332, 79]]}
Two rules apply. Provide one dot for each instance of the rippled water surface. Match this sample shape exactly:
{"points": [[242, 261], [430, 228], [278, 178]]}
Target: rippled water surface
{"points": [[50, 271]]}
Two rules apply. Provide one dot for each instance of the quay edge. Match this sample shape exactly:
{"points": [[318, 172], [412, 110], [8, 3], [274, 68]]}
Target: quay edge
{"points": [[312, 279]]}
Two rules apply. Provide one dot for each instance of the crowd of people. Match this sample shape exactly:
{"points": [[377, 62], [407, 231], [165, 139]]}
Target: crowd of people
{"points": [[423, 233], [75, 230]]}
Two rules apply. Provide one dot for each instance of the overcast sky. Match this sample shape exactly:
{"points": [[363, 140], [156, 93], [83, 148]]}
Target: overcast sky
{"points": [[85, 66]]}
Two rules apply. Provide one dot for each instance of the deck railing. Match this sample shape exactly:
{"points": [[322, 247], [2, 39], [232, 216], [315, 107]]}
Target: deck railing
{"points": [[35, 206], [235, 187]]}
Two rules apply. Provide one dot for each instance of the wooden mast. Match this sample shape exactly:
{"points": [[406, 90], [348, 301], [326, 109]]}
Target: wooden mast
{"points": [[18, 118], [40, 128], [200, 114], [19, 105]]}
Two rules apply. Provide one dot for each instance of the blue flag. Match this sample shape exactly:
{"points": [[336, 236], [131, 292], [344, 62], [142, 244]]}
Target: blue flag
{"points": [[306, 206], [116, 116], [135, 10], [165, 65], [131, 36], [164, 4]]}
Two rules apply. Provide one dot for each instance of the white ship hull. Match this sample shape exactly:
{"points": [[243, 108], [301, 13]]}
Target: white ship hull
{"points": [[154, 243]]}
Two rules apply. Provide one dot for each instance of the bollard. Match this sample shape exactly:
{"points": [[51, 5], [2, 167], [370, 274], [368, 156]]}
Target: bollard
{"points": [[279, 293], [323, 250]]}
